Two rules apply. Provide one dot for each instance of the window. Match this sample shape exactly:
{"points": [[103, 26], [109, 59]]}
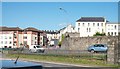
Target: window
{"points": [[111, 25], [25, 37], [10, 37], [10, 47], [78, 29], [35, 38], [40, 42], [83, 24], [111, 33], [115, 33], [97, 24], [78, 24], [115, 27], [5, 46], [108, 33], [88, 24], [35, 43], [5, 42], [102, 30], [41, 38], [93, 24], [89, 29], [10, 42], [101, 24]]}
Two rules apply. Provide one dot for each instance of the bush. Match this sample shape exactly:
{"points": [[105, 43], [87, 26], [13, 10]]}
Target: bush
{"points": [[99, 34]]}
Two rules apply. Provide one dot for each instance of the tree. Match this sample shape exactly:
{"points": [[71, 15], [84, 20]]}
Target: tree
{"points": [[60, 42], [99, 34]]}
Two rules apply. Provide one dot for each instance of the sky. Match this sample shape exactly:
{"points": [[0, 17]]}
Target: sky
{"points": [[48, 16]]}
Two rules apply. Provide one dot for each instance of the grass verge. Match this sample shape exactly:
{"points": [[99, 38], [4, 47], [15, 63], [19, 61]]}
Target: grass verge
{"points": [[62, 59]]}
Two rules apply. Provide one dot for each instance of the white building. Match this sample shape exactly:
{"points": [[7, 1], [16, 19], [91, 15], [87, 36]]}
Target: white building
{"points": [[88, 26], [52, 35], [10, 37], [68, 29], [112, 29]]}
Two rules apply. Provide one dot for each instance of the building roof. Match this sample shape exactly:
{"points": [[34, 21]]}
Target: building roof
{"points": [[91, 19], [31, 29], [10, 28], [51, 32], [112, 23]]}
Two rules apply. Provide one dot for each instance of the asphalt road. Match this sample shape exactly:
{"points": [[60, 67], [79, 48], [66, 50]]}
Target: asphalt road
{"points": [[69, 66]]}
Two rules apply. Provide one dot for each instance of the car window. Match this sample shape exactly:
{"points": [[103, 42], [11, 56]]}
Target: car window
{"points": [[98, 45], [38, 46], [95, 45], [34, 47], [102, 45]]}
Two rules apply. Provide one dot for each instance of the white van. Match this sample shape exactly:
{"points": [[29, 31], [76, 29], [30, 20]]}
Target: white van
{"points": [[36, 48]]}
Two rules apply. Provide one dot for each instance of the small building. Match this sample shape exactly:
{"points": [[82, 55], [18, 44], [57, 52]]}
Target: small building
{"points": [[52, 35], [112, 29], [67, 29]]}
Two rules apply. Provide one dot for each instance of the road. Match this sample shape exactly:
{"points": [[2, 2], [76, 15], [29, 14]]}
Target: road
{"points": [[51, 65]]}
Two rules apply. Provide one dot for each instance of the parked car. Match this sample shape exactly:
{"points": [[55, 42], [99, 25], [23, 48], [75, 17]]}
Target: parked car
{"points": [[10, 64], [98, 48], [36, 48]]}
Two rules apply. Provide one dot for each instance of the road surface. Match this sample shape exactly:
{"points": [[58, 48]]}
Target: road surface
{"points": [[50, 65]]}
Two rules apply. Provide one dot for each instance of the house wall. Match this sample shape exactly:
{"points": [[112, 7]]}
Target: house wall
{"points": [[6, 39], [90, 28], [112, 29]]}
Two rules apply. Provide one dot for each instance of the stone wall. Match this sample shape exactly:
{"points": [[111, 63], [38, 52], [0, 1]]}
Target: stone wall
{"points": [[82, 43], [113, 53]]}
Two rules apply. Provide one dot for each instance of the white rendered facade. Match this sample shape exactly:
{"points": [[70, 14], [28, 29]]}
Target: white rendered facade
{"points": [[6, 39], [68, 29], [30, 38], [10, 39], [52, 35], [89, 28], [112, 29]]}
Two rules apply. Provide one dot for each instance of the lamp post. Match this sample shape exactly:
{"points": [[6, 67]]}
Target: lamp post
{"points": [[66, 27], [62, 9]]}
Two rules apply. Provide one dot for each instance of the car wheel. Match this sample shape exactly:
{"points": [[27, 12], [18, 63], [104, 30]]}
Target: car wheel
{"points": [[92, 51], [43, 51]]}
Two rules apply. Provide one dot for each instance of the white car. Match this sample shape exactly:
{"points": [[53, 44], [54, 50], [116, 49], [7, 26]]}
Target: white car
{"points": [[36, 48]]}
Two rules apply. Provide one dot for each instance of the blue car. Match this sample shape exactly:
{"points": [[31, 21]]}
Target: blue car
{"points": [[98, 48]]}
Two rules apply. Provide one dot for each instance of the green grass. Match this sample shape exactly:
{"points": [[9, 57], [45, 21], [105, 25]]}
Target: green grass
{"points": [[63, 59]]}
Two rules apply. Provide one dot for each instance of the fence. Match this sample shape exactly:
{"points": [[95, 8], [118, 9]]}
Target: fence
{"points": [[65, 53]]}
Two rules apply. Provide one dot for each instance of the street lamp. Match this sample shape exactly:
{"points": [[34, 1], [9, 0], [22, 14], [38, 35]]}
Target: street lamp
{"points": [[62, 9], [67, 24]]}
